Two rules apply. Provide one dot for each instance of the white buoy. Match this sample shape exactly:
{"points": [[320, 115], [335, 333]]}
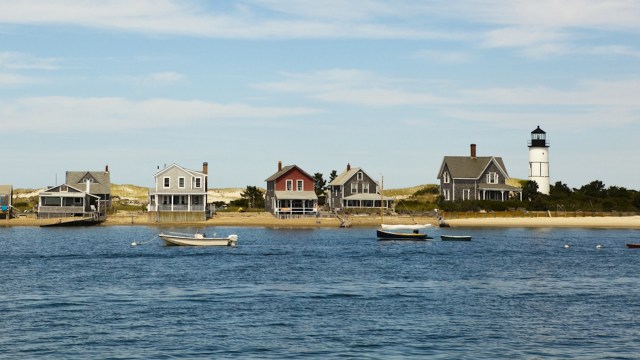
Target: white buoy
{"points": [[566, 246], [599, 246], [134, 243]]}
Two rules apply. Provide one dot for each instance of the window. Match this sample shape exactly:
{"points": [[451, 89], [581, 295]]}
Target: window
{"points": [[445, 194], [181, 182], [446, 178], [466, 194], [359, 176], [300, 185], [167, 182], [197, 183], [77, 201], [354, 188], [289, 185], [365, 188], [492, 178]]}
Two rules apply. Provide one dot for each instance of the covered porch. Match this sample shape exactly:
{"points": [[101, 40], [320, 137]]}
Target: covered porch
{"points": [[66, 201], [499, 192], [367, 201], [177, 202], [295, 203]]}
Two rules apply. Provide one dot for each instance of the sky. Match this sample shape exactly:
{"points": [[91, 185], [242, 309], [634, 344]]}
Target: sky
{"points": [[389, 86]]}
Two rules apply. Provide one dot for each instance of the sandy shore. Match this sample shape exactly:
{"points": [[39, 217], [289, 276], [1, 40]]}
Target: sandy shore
{"points": [[259, 219], [262, 219], [605, 222]]}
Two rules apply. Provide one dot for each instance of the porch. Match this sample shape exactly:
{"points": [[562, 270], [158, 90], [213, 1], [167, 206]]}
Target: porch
{"points": [[177, 203]]}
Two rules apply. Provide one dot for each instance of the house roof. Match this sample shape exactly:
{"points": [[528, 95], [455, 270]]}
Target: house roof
{"points": [[100, 180], [365, 197], [174, 165], [285, 170], [70, 192], [346, 175], [466, 167], [296, 195]]}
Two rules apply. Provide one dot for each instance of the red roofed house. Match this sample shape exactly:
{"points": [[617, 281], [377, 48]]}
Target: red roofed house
{"points": [[290, 192]]}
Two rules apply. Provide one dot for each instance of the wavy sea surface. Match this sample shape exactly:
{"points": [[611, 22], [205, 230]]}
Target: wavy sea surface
{"points": [[79, 293]]}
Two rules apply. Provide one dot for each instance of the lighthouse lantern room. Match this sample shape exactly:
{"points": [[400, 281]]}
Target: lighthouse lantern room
{"points": [[539, 160]]}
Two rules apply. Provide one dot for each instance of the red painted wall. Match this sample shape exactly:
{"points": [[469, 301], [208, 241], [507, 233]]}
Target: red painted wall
{"points": [[294, 174]]}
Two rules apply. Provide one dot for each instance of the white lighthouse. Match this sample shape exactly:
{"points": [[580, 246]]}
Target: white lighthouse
{"points": [[539, 160]]}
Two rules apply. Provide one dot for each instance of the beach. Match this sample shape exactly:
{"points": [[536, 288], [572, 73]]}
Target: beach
{"points": [[263, 219]]}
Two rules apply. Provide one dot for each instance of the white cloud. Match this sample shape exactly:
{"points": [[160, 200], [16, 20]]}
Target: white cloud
{"points": [[71, 114], [19, 61], [14, 80]]}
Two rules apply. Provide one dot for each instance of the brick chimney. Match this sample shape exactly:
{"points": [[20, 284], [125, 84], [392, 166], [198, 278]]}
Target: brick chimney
{"points": [[106, 168], [473, 151], [205, 170], [279, 166], [348, 166]]}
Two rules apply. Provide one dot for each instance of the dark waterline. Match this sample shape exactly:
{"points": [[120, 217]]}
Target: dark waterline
{"points": [[319, 293]]}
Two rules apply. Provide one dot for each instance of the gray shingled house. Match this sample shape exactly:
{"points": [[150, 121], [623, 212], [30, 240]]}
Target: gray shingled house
{"points": [[68, 201], [355, 189], [475, 178], [179, 195], [6, 201], [96, 183]]}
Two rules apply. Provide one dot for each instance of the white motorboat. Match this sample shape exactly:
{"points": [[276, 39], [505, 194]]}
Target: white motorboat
{"points": [[197, 239]]}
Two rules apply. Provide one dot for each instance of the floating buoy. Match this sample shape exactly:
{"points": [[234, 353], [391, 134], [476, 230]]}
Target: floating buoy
{"points": [[566, 246], [134, 243], [599, 246]]}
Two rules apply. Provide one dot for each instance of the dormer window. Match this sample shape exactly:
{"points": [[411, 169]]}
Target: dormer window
{"points": [[492, 178]]}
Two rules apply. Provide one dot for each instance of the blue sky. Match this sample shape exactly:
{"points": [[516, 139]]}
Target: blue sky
{"points": [[390, 86]]}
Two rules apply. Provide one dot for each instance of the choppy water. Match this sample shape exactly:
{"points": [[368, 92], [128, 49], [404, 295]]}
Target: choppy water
{"points": [[324, 293]]}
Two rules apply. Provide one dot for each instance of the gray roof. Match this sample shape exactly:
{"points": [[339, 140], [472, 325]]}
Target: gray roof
{"points": [[499, 187], [101, 181], [296, 195], [372, 197], [465, 167], [346, 175], [6, 189], [284, 170]]}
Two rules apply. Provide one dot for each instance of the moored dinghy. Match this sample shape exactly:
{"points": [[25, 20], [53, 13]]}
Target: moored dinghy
{"points": [[197, 239], [391, 232], [456, 237]]}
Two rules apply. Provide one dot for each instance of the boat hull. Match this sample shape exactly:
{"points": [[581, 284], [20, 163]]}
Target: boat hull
{"points": [[389, 235], [176, 240], [633, 246], [455, 237]]}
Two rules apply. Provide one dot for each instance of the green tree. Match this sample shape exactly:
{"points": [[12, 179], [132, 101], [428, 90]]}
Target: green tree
{"points": [[530, 190], [332, 176], [319, 185], [594, 189], [253, 196]]}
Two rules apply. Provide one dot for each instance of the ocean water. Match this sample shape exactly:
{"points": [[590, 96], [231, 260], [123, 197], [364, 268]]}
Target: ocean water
{"points": [[79, 293]]}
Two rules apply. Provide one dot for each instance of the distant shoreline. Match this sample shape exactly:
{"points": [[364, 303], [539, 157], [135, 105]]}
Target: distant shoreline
{"points": [[262, 219]]}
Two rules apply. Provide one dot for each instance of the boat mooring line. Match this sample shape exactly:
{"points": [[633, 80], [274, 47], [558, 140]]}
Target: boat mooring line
{"points": [[146, 242]]}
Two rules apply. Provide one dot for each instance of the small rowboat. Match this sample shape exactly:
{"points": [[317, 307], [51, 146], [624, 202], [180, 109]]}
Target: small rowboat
{"points": [[197, 239], [456, 237], [633, 246], [391, 235]]}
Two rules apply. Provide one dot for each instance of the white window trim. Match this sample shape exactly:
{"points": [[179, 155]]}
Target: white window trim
{"points": [[299, 185], [184, 182], [354, 188], [164, 182], [359, 175], [466, 194], [365, 188], [492, 178], [289, 185], [197, 182], [445, 193], [446, 178]]}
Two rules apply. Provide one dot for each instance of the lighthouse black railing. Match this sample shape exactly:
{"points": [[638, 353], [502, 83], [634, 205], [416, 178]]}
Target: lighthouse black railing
{"points": [[540, 143]]}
